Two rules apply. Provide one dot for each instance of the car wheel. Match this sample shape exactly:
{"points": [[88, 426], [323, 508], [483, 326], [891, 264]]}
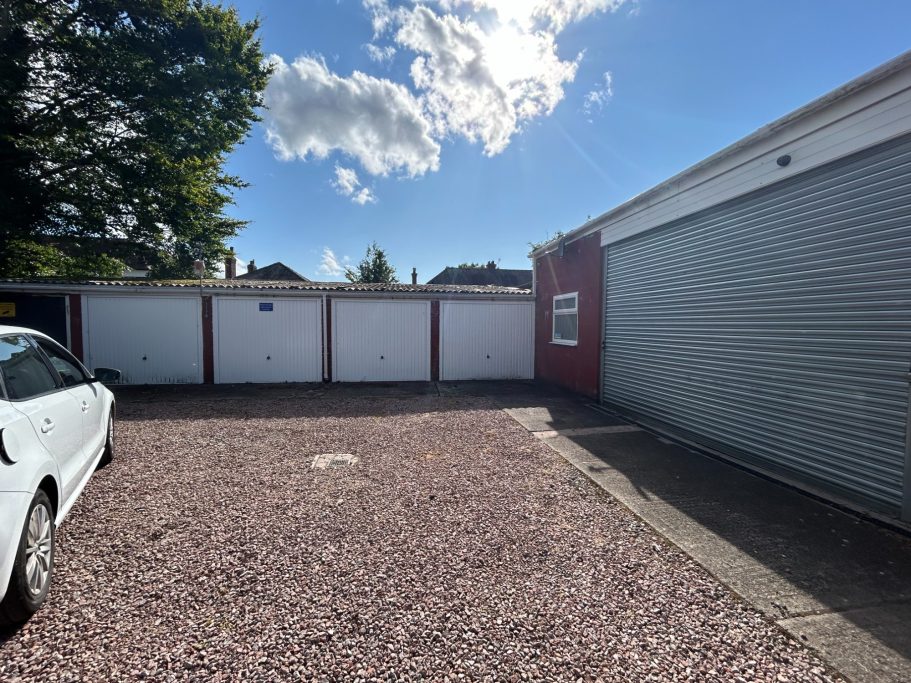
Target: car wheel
{"points": [[108, 454], [34, 564]]}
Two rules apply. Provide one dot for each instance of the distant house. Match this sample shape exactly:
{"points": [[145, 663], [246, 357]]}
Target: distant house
{"points": [[490, 275], [274, 271]]}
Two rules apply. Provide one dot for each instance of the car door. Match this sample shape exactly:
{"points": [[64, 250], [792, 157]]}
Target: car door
{"points": [[89, 395], [55, 415]]}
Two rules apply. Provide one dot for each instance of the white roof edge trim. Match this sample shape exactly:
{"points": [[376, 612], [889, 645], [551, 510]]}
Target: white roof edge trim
{"points": [[64, 289], [883, 71]]}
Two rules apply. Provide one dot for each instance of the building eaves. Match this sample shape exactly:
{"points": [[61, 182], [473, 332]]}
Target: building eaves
{"points": [[873, 76]]}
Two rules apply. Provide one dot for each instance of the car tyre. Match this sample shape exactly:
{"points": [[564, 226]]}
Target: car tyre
{"points": [[33, 568], [108, 454]]}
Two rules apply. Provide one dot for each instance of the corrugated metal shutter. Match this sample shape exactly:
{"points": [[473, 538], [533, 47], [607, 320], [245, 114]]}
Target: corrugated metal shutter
{"points": [[777, 327]]}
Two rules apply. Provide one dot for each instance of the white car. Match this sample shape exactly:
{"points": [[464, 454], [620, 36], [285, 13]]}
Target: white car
{"points": [[56, 428]]}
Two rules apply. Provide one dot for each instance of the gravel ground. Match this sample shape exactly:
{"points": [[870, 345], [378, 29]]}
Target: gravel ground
{"points": [[457, 548]]}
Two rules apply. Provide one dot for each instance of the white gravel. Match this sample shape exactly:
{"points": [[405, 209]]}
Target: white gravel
{"points": [[457, 548]]}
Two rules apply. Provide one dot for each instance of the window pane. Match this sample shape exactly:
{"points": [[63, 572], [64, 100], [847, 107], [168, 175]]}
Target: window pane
{"points": [[24, 372], [566, 327], [68, 367], [563, 304]]}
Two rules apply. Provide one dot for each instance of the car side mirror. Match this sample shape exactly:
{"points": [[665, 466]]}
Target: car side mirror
{"points": [[107, 375]]}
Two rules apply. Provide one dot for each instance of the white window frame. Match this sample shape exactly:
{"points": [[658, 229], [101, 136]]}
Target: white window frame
{"points": [[564, 311]]}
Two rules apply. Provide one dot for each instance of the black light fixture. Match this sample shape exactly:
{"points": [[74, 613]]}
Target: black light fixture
{"points": [[783, 160]]}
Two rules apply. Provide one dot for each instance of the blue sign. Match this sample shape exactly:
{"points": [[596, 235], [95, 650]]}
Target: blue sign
{"points": [[265, 306]]}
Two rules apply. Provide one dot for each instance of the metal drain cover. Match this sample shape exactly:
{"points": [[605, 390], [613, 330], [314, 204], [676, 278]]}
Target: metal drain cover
{"points": [[331, 461]]}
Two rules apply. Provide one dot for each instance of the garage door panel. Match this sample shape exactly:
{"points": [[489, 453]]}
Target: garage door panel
{"points": [[380, 341], [151, 340], [777, 327], [268, 340], [489, 340]]}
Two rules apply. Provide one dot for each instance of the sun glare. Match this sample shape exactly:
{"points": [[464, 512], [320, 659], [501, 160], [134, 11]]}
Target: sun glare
{"points": [[507, 53]]}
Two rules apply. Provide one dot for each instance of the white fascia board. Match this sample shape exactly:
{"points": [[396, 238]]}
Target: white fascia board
{"points": [[869, 109], [870, 117]]}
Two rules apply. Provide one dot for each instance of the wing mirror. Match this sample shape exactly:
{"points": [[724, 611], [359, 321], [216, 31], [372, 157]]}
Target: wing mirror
{"points": [[107, 375]]}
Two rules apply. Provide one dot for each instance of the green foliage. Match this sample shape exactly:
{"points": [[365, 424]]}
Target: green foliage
{"points": [[490, 264], [115, 122], [45, 260], [374, 267], [537, 245]]}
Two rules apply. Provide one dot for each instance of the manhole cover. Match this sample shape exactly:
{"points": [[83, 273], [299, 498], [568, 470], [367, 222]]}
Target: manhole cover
{"points": [[331, 461]]}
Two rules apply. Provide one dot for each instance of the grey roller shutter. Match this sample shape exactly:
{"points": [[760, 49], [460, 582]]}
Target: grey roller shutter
{"points": [[777, 327]]}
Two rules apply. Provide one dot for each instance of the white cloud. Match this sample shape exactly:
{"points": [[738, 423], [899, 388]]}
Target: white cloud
{"points": [[481, 70], [481, 84], [597, 98], [383, 55], [347, 184], [312, 111], [382, 16], [331, 265], [549, 15]]}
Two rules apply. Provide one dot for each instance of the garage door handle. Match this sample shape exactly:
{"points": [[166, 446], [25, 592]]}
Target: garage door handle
{"points": [[48, 426]]}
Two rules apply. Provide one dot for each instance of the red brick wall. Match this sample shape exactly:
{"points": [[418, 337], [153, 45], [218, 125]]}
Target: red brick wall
{"points": [[76, 327], [435, 340], [578, 270], [208, 344]]}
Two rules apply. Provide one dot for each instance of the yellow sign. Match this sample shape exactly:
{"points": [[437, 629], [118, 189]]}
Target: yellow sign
{"points": [[7, 310]]}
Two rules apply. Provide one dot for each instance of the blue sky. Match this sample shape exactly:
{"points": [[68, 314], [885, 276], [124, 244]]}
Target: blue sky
{"points": [[460, 130]]}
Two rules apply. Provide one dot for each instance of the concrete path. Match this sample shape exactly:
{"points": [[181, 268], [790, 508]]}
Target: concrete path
{"points": [[839, 584]]}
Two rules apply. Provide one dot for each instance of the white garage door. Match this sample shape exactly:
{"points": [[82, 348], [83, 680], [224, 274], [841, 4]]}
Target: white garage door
{"points": [[268, 340], [486, 340], [380, 341], [151, 340]]}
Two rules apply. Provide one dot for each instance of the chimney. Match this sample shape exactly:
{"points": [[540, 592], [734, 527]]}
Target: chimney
{"points": [[414, 276], [251, 266], [230, 266]]}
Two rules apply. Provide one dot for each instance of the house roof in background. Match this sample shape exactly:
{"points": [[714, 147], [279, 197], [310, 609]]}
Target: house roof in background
{"points": [[274, 272], [274, 285], [502, 277]]}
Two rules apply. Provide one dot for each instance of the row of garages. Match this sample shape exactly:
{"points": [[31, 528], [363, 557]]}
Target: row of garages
{"points": [[261, 336], [758, 305]]}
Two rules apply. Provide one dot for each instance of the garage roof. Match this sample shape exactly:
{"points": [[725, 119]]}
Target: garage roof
{"points": [[284, 285]]}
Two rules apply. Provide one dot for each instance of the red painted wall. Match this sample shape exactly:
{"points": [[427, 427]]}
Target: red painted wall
{"points": [[578, 270]]}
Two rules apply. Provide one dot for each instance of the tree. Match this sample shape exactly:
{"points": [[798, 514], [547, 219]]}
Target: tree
{"points": [[115, 122], [491, 265], [374, 267]]}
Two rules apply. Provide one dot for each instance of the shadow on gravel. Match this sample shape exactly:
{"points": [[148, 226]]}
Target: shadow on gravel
{"points": [[7, 632], [191, 402]]}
